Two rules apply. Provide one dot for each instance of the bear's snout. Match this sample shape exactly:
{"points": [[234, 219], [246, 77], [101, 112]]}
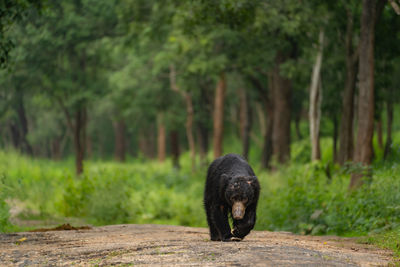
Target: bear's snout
{"points": [[238, 210]]}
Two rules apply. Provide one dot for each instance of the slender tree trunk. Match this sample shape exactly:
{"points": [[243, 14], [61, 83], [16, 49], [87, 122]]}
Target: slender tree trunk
{"points": [[189, 114], [315, 101], [281, 120], [120, 141], [346, 122], [363, 150], [26, 147], [161, 138], [245, 122], [175, 151], [389, 119], [79, 138], [15, 136], [219, 116]]}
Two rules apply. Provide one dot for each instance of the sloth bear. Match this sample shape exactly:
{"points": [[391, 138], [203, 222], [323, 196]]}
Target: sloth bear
{"points": [[231, 188]]}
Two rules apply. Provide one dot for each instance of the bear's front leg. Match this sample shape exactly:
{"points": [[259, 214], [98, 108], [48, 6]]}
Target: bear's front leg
{"points": [[221, 222], [241, 228]]}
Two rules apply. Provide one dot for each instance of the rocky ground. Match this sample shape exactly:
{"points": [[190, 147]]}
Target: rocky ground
{"points": [[181, 246]]}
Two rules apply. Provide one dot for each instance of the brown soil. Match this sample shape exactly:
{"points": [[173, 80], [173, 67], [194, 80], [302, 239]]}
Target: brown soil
{"points": [[157, 245]]}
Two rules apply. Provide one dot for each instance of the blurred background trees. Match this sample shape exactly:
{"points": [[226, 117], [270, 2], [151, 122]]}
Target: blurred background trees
{"points": [[149, 79]]}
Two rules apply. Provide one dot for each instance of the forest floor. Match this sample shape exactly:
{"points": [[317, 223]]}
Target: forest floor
{"points": [[157, 245]]}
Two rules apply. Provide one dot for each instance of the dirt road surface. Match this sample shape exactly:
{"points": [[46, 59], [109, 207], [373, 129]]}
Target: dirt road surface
{"points": [[161, 245]]}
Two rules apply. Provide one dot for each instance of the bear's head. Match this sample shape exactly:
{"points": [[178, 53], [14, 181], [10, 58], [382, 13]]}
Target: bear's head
{"points": [[239, 193]]}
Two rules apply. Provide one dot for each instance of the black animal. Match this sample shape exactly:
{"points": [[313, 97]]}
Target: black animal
{"points": [[231, 188]]}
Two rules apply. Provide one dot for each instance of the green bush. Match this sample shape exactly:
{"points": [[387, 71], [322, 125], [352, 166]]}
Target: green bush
{"points": [[311, 202]]}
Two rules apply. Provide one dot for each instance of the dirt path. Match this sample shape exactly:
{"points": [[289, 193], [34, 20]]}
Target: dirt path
{"points": [[182, 246]]}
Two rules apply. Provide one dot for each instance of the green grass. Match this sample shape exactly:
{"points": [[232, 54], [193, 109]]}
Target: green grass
{"points": [[388, 240], [107, 192]]}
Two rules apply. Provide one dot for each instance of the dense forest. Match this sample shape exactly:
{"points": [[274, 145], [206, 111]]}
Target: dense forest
{"points": [[299, 88]]}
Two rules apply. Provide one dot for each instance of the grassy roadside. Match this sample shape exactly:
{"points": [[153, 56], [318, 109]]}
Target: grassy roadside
{"points": [[387, 240]]}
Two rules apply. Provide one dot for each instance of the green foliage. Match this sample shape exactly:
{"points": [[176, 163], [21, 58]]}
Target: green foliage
{"points": [[311, 202], [106, 193], [12, 11]]}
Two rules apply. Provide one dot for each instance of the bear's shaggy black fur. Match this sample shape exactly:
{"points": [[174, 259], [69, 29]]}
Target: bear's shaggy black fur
{"points": [[231, 182]]}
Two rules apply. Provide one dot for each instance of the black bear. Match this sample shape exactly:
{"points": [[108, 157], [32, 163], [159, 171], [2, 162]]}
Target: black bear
{"points": [[231, 188]]}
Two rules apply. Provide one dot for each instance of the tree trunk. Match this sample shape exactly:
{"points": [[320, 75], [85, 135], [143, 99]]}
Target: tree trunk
{"points": [[389, 119], [120, 141], [219, 116], [80, 138], [189, 115], [15, 136], [315, 101], [363, 149], [346, 122], [281, 121], [161, 138], [25, 146], [245, 122], [175, 151]]}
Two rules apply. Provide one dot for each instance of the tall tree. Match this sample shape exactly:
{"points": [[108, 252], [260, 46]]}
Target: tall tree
{"points": [[282, 88], [346, 134], [365, 124], [69, 71], [218, 117], [315, 101]]}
